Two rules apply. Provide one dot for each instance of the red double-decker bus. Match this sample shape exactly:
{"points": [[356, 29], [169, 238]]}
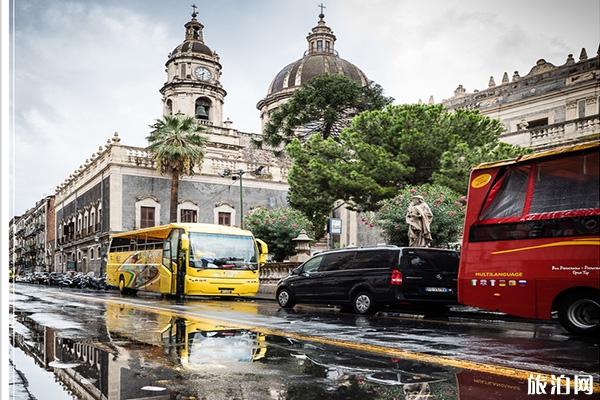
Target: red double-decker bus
{"points": [[531, 241]]}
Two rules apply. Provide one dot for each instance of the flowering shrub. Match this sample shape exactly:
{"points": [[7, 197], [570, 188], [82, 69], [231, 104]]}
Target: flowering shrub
{"points": [[447, 206], [277, 227]]}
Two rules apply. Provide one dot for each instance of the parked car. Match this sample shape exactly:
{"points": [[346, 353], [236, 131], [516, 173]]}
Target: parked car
{"points": [[369, 278]]}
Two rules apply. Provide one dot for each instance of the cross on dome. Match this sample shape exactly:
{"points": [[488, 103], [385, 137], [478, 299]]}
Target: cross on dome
{"points": [[321, 6]]}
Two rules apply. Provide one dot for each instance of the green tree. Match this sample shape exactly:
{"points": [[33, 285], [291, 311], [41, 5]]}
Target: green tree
{"points": [[446, 205], [456, 164], [384, 150], [325, 104], [277, 227], [177, 146]]}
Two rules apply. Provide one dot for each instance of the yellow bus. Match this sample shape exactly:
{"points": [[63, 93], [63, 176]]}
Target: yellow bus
{"points": [[186, 259]]}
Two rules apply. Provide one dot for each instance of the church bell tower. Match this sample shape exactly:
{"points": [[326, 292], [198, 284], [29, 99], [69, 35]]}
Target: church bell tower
{"points": [[193, 86]]}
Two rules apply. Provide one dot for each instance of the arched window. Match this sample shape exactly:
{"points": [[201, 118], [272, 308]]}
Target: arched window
{"points": [[224, 214], [92, 219], [202, 108], [169, 107], [147, 213], [187, 211], [91, 253]]}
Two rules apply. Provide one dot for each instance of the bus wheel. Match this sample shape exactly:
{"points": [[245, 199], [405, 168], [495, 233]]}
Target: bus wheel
{"points": [[122, 287], [285, 298], [580, 313]]}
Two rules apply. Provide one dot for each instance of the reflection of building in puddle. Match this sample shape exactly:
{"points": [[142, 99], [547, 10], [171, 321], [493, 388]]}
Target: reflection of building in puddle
{"points": [[37, 341], [89, 370]]}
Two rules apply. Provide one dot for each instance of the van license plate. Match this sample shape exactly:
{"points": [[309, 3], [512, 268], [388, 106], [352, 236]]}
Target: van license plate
{"points": [[438, 289], [226, 291]]}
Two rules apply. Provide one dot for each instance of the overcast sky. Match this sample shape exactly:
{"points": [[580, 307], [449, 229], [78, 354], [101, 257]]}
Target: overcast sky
{"points": [[85, 69]]}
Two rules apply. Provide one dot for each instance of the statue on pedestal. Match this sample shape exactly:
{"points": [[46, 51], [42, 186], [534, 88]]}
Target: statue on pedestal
{"points": [[418, 218]]}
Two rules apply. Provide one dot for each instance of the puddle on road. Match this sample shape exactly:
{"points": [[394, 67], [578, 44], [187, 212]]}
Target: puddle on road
{"points": [[136, 354]]}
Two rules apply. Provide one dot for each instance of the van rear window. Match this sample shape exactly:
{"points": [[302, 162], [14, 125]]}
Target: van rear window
{"points": [[433, 260]]}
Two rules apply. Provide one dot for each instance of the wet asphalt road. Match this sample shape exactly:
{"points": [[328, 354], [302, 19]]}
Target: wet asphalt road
{"points": [[98, 345]]}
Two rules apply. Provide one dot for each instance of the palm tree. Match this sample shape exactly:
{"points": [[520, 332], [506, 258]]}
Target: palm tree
{"points": [[177, 146]]}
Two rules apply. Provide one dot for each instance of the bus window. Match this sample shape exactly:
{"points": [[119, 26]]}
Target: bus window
{"points": [[119, 244], [170, 249], [569, 183], [507, 196]]}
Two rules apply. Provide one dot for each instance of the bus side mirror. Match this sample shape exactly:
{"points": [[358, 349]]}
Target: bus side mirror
{"points": [[185, 242], [263, 251]]}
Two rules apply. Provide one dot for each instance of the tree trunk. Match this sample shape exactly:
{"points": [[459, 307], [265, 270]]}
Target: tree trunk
{"points": [[174, 196]]}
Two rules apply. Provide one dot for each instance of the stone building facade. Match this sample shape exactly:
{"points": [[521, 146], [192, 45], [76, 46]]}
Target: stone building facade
{"points": [[32, 238], [14, 245], [119, 188], [549, 106]]}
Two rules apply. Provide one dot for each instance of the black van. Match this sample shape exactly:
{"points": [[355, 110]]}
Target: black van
{"points": [[368, 278]]}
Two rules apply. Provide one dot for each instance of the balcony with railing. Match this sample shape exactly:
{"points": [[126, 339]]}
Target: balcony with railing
{"points": [[563, 132], [554, 135]]}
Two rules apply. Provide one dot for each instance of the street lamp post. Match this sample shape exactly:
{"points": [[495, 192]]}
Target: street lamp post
{"points": [[238, 175]]}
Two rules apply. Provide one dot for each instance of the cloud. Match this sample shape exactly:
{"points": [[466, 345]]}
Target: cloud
{"points": [[83, 72]]}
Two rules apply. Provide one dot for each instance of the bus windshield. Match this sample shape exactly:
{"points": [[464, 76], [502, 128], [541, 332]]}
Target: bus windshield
{"points": [[218, 251]]}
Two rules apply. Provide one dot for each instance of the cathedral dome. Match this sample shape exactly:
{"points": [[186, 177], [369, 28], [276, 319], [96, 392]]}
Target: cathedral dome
{"points": [[311, 65], [320, 59]]}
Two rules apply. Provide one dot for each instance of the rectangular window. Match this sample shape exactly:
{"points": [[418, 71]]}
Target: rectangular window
{"points": [[147, 217], [225, 218], [327, 45], [566, 184], [537, 123], [337, 261], [507, 196], [374, 259], [319, 45], [433, 260], [581, 108], [189, 216]]}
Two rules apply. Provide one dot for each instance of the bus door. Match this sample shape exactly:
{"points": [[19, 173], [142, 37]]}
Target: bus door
{"points": [[170, 259], [183, 249]]}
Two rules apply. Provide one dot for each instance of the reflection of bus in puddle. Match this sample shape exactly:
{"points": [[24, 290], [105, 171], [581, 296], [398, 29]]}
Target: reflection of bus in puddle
{"points": [[193, 343], [201, 344]]}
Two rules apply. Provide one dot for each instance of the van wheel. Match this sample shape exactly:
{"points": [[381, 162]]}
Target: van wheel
{"points": [[363, 303], [580, 313], [285, 298]]}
